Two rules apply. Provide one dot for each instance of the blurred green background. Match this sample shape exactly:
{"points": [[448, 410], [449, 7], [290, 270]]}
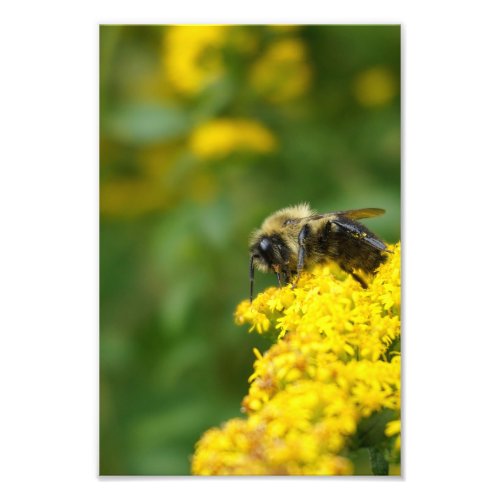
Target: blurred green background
{"points": [[204, 131]]}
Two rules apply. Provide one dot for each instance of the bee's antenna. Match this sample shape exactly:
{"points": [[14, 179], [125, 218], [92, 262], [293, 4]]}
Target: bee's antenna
{"points": [[251, 278]]}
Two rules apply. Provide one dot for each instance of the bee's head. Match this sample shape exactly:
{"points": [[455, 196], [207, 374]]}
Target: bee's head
{"points": [[268, 253]]}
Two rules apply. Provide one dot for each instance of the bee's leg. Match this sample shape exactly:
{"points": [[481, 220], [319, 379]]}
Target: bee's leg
{"points": [[286, 277], [325, 234], [304, 233], [359, 279], [278, 275]]}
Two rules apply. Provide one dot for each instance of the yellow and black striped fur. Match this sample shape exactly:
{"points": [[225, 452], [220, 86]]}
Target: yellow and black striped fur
{"points": [[295, 238]]}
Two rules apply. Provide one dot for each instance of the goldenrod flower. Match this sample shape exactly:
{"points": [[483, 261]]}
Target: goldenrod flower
{"points": [[295, 434], [393, 428], [354, 322], [223, 136], [193, 56], [335, 364]]}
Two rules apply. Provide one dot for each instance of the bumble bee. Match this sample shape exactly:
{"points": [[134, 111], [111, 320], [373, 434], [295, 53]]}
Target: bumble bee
{"points": [[295, 238]]}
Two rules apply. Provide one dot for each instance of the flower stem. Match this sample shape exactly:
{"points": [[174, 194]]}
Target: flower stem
{"points": [[380, 466]]}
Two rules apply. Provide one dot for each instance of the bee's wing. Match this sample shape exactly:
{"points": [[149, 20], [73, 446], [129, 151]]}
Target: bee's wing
{"points": [[360, 213], [356, 230]]}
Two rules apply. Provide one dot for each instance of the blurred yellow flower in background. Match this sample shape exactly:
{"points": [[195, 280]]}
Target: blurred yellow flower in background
{"points": [[335, 365], [223, 136], [282, 73], [375, 87], [192, 56]]}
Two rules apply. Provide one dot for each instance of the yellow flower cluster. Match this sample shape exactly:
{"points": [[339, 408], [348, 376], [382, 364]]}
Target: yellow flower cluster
{"points": [[192, 56], [223, 136], [297, 433], [283, 72], [197, 56], [335, 365], [355, 322]]}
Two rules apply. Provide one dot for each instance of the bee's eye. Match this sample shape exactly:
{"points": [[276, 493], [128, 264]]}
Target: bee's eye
{"points": [[264, 244]]}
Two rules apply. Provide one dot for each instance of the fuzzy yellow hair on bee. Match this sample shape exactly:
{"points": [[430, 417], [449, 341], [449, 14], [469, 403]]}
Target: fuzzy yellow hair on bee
{"points": [[297, 237]]}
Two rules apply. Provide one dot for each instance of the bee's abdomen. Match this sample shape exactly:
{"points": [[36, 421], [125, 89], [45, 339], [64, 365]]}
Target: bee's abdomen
{"points": [[350, 250]]}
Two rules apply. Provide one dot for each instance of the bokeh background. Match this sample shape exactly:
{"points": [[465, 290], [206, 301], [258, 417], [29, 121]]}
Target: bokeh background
{"points": [[204, 131]]}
